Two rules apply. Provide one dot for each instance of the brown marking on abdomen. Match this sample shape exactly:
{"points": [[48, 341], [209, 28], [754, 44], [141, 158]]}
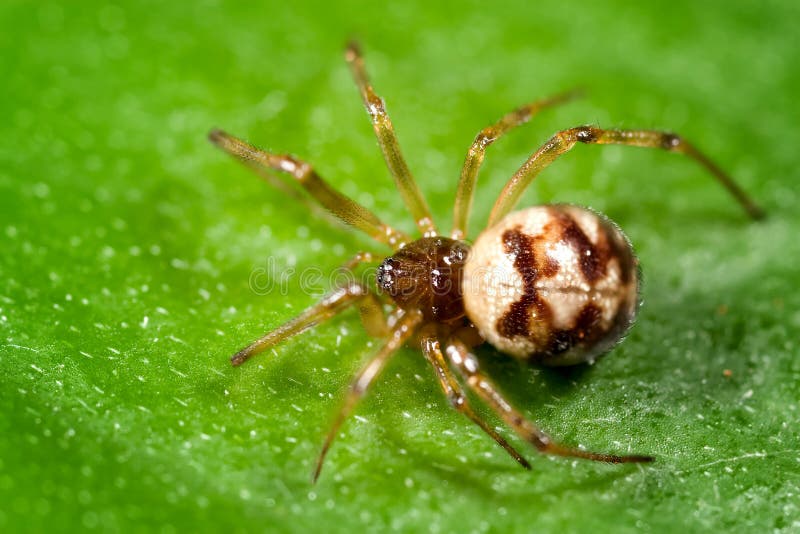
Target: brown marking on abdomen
{"points": [[593, 258], [593, 266], [583, 332], [516, 321]]}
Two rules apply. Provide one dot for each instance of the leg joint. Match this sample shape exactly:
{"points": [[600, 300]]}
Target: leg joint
{"points": [[586, 134], [670, 141], [375, 105], [300, 170], [457, 400], [485, 137], [355, 289]]}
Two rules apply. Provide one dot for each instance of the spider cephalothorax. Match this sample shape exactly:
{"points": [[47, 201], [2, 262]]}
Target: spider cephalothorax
{"points": [[554, 284], [426, 274]]}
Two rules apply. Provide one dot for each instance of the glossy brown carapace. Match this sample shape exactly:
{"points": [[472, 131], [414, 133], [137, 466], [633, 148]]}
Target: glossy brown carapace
{"points": [[426, 274]]}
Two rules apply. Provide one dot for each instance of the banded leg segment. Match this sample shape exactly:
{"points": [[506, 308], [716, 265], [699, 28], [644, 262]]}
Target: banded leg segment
{"points": [[458, 400], [460, 356], [477, 152], [390, 147], [340, 205], [402, 330], [563, 141]]}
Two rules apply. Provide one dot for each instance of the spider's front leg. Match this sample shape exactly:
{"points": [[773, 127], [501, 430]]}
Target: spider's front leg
{"points": [[387, 140], [402, 329], [332, 304], [341, 206], [467, 364]]}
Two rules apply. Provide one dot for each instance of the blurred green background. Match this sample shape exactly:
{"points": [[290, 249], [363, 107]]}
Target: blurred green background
{"points": [[128, 242]]}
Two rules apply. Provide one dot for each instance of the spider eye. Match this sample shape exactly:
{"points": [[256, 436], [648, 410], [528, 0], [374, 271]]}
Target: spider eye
{"points": [[386, 275]]}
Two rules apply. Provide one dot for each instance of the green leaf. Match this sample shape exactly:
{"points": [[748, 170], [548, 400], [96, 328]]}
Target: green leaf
{"points": [[128, 246]]}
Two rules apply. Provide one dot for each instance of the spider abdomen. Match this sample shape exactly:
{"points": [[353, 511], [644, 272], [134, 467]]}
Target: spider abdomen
{"points": [[555, 284]]}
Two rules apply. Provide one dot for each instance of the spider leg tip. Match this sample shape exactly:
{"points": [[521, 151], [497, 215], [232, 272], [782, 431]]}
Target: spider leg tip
{"points": [[758, 214], [215, 135], [641, 459], [238, 359], [317, 471], [352, 49]]}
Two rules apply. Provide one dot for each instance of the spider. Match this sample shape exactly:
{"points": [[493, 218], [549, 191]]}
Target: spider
{"points": [[554, 285]]}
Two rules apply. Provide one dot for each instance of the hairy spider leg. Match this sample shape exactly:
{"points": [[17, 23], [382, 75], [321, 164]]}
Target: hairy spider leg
{"points": [[332, 304], [564, 140], [472, 164], [431, 348], [340, 205], [401, 331], [467, 364], [390, 147]]}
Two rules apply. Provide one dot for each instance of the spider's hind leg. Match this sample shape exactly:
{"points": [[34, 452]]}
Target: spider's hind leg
{"points": [[466, 363], [431, 347], [565, 140]]}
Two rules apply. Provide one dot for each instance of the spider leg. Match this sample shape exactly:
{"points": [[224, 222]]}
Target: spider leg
{"points": [[402, 330], [371, 308], [340, 205], [564, 140], [476, 153], [332, 304], [460, 356], [372, 316], [390, 147], [455, 394]]}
